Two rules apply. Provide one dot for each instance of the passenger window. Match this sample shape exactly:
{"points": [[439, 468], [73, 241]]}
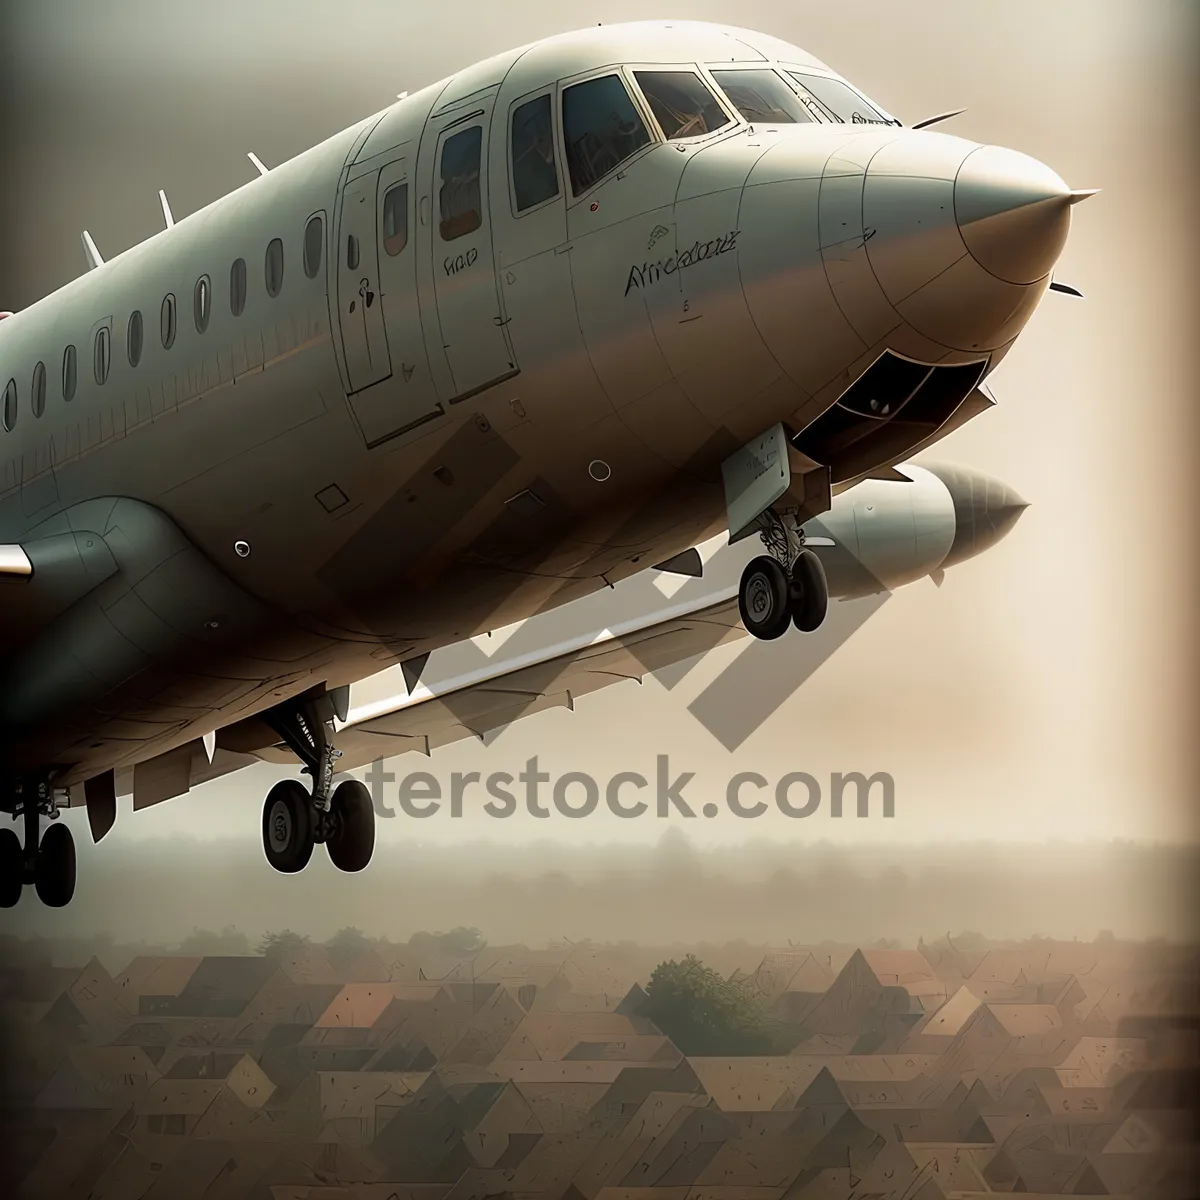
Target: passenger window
{"points": [[761, 96], [682, 105], [535, 177], [274, 267], [314, 237], [10, 405], [395, 219], [68, 373], [601, 129], [167, 321], [101, 354], [38, 399], [352, 252], [459, 198], [237, 287], [134, 338], [841, 101], [202, 302]]}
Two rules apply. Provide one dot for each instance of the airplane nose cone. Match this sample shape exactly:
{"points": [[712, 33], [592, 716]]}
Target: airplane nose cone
{"points": [[1013, 213], [984, 509]]}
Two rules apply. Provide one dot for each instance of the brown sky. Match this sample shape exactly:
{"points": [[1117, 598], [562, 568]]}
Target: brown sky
{"points": [[1046, 689]]}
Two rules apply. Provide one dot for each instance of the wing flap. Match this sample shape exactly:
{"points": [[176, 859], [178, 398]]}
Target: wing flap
{"points": [[425, 721]]}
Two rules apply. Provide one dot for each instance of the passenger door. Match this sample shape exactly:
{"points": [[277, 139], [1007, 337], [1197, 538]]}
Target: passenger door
{"points": [[457, 230], [410, 399], [366, 358]]}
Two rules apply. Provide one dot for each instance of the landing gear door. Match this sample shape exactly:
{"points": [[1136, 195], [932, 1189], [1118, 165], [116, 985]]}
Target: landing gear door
{"points": [[474, 339], [366, 358]]}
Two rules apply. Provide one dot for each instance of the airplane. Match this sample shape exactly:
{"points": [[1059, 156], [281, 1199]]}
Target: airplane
{"points": [[551, 321]]}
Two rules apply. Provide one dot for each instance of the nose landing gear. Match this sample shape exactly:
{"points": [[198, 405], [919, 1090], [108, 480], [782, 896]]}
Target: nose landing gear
{"points": [[295, 819], [785, 586], [49, 862]]}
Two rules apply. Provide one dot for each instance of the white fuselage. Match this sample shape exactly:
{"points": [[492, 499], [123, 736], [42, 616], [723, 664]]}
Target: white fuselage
{"points": [[394, 407]]}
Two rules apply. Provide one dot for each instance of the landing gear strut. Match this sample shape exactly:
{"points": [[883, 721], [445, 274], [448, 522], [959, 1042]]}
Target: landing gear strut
{"points": [[49, 862], [294, 818], [785, 586]]}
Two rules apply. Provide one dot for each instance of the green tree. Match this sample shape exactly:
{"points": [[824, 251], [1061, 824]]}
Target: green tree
{"points": [[703, 1013], [283, 944]]}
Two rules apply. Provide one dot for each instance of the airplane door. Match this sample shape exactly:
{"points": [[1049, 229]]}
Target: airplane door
{"points": [[366, 359], [473, 336], [409, 399]]}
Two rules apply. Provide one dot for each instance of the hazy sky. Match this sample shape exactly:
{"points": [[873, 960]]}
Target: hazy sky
{"points": [[1045, 690]]}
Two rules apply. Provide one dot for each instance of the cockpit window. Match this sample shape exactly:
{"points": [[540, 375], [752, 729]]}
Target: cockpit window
{"points": [[601, 129], [840, 101], [761, 96], [681, 103], [534, 175]]}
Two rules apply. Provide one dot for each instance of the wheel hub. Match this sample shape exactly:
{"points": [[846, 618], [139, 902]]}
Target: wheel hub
{"points": [[759, 596], [281, 826]]}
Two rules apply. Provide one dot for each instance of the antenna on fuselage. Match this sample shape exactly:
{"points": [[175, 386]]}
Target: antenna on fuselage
{"points": [[258, 162], [93, 256], [168, 219], [925, 124], [401, 95]]}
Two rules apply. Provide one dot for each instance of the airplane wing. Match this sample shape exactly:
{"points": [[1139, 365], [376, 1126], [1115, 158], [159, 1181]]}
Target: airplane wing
{"points": [[478, 687]]}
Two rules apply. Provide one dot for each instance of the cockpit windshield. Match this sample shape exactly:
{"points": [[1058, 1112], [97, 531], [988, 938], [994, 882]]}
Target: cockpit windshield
{"points": [[840, 101], [681, 103], [601, 129], [761, 96]]}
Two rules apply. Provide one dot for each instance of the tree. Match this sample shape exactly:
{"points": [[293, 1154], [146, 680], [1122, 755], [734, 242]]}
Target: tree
{"points": [[703, 1013], [349, 938], [283, 944], [229, 942], [462, 939]]}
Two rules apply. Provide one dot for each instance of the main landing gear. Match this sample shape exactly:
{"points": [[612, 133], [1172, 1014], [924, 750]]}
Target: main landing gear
{"points": [[294, 818], [786, 586], [49, 862]]}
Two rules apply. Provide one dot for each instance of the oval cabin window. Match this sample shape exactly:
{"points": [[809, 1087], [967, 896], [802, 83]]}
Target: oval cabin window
{"points": [[38, 398], [395, 219], [134, 339], [237, 287], [203, 302], [314, 238], [10, 405], [167, 321], [102, 354], [68, 379], [274, 267]]}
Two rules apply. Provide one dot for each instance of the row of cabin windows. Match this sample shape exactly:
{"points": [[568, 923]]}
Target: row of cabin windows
{"points": [[602, 126], [314, 240]]}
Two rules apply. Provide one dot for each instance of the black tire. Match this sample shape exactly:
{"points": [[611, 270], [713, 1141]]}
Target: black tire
{"points": [[12, 868], [288, 827], [763, 599], [352, 838], [809, 592], [54, 868]]}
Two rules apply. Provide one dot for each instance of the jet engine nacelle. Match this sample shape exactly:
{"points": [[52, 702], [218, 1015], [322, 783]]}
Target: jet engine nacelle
{"points": [[884, 533]]}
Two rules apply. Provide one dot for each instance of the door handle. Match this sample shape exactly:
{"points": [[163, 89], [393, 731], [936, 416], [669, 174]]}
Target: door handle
{"points": [[424, 214]]}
